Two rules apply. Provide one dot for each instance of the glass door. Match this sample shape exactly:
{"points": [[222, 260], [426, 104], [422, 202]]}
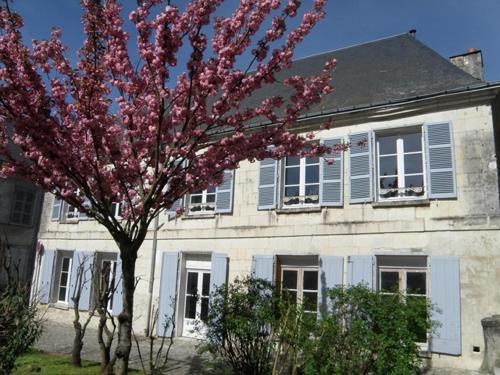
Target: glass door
{"points": [[196, 302]]}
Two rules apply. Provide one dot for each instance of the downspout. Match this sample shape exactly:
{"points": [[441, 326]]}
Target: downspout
{"points": [[152, 274]]}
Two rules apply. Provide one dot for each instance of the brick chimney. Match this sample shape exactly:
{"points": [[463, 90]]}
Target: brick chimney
{"points": [[470, 62]]}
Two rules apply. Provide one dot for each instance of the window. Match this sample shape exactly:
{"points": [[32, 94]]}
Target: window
{"points": [[400, 165], [23, 206], [202, 201], [406, 275], [64, 277], [299, 284], [107, 279], [301, 181]]}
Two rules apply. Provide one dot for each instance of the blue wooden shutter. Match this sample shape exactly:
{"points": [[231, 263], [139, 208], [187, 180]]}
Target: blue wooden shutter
{"points": [[268, 173], [81, 275], [224, 194], [56, 209], [117, 306], [263, 267], [172, 211], [87, 280], [44, 290], [360, 168], [331, 275], [168, 293], [332, 176], [444, 288], [440, 160], [218, 274], [360, 270]]}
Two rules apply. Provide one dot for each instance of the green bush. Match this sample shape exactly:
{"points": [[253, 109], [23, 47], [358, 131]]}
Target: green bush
{"points": [[20, 326], [365, 332]]}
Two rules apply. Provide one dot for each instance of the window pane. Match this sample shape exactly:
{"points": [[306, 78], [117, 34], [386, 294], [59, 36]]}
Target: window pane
{"points": [[389, 281], [312, 160], [387, 145], [310, 280], [289, 279], [292, 176], [388, 166], [414, 181], [204, 310], [62, 294], [292, 191], [190, 307], [192, 283], [310, 301], [289, 296], [211, 198], [64, 279], [196, 199], [65, 264], [389, 183], [312, 189], [417, 320], [292, 160], [413, 163], [416, 283], [312, 174], [412, 142], [205, 290]]}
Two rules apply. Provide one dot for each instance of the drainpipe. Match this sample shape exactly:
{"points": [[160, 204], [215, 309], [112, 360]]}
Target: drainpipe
{"points": [[152, 274]]}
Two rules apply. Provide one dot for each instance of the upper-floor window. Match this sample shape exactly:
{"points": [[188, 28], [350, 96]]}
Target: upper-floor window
{"points": [[400, 165], [202, 201], [23, 206], [301, 182]]}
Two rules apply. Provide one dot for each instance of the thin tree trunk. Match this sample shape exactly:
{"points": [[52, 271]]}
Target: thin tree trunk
{"points": [[124, 346], [76, 353], [105, 349]]}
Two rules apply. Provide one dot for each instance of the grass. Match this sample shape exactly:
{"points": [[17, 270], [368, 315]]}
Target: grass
{"points": [[54, 364]]}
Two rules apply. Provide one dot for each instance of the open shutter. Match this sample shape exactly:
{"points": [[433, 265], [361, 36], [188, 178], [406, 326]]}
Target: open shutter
{"points": [[360, 270], [444, 288], [360, 168], [218, 274], [172, 211], [263, 267], [331, 275], [46, 276], [168, 293], [331, 176], [440, 160], [56, 209], [224, 194], [117, 306], [268, 175]]}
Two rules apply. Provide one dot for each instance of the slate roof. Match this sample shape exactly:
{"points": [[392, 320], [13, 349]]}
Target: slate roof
{"points": [[391, 69]]}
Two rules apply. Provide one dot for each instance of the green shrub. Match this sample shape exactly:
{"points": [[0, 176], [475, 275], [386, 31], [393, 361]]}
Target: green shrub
{"points": [[20, 326], [365, 332]]}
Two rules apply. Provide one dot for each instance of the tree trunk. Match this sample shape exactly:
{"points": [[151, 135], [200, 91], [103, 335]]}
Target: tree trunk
{"points": [[128, 256], [104, 345], [76, 353]]}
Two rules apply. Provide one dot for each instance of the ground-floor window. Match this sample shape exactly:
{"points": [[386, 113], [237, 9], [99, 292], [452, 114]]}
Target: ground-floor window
{"points": [[64, 277], [196, 297]]}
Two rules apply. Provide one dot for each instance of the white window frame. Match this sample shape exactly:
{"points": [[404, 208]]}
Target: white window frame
{"points": [[68, 284], [302, 184], [204, 204], [300, 283], [400, 156], [403, 271]]}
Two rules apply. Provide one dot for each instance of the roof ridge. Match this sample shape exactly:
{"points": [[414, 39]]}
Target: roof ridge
{"points": [[350, 46]]}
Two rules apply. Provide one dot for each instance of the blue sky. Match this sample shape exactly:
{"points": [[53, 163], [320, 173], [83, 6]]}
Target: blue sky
{"points": [[448, 26]]}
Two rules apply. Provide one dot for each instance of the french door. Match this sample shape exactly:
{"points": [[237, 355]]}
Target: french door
{"points": [[196, 302]]}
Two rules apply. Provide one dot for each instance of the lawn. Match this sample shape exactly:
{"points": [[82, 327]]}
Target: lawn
{"points": [[53, 364]]}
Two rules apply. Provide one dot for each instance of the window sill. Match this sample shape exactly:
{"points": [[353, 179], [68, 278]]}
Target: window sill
{"points": [[298, 210], [188, 216], [402, 203]]}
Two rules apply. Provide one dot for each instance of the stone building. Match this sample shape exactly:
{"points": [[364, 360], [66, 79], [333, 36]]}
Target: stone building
{"points": [[412, 205]]}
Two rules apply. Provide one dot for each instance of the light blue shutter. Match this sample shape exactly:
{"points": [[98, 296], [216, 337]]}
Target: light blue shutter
{"points": [[117, 306], [86, 260], [263, 267], [331, 176], [56, 209], [224, 194], [360, 168], [444, 288], [360, 270], [171, 212], [218, 273], [440, 160], [331, 275], [168, 293], [46, 275], [268, 173]]}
